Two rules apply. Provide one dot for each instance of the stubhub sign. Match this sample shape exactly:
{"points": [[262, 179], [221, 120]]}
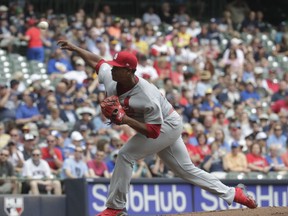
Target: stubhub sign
{"points": [[145, 198], [266, 195]]}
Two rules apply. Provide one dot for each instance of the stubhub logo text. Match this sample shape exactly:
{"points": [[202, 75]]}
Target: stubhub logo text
{"points": [[145, 198], [265, 195]]}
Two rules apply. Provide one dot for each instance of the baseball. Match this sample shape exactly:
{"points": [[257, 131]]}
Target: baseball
{"points": [[43, 25]]}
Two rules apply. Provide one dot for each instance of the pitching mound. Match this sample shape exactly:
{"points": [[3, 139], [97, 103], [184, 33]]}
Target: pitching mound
{"points": [[267, 211]]}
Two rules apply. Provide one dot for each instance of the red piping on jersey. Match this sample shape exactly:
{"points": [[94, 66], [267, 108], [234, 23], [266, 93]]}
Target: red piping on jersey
{"points": [[126, 101], [153, 130], [97, 67]]}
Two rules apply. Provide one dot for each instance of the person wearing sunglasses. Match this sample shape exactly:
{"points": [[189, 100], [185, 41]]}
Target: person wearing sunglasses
{"points": [[7, 183], [38, 174], [75, 167]]}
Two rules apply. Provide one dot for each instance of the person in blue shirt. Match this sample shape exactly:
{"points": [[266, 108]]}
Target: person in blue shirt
{"points": [[27, 111], [277, 138], [208, 103], [58, 63], [249, 95], [75, 167]]}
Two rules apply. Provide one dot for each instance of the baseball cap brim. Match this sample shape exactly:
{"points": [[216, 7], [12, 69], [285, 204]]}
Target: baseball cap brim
{"points": [[113, 63]]}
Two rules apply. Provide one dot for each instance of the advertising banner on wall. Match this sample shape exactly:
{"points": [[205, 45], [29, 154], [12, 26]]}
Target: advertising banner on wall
{"points": [[145, 198], [265, 195]]}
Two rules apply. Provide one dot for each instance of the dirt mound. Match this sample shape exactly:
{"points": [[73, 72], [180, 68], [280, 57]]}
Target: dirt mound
{"points": [[263, 211]]}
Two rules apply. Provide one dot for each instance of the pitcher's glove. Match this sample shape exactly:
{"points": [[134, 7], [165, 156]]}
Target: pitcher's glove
{"points": [[112, 109]]}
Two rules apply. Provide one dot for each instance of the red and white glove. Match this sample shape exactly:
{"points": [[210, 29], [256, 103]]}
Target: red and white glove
{"points": [[112, 109]]}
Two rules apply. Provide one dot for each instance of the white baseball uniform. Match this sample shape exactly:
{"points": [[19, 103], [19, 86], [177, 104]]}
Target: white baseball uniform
{"points": [[146, 104]]}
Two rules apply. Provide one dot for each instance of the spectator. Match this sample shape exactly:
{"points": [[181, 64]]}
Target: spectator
{"points": [[201, 150], [150, 17], [35, 49], [274, 159], [97, 167], [15, 157], [278, 138], [235, 161], [280, 105], [52, 155], [256, 162], [281, 93], [141, 170], [4, 138], [7, 182], [284, 156], [261, 138], [220, 141], [213, 163], [85, 116], [75, 167], [7, 109], [76, 140], [112, 161], [158, 168], [37, 171], [29, 145], [27, 111], [58, 63]]}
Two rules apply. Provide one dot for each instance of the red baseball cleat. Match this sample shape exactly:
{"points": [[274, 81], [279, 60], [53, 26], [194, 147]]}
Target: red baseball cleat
{"points": [[243, 198], [113, 212]]}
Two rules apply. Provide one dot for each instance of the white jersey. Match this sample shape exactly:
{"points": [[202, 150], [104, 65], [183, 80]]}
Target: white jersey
{"points": [[143, 102], [36, 172]]}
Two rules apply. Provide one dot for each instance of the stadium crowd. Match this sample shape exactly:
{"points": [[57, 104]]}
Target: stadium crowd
{"points": [[227, 77]]}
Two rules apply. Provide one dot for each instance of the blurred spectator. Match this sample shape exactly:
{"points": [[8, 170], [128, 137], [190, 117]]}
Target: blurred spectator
{"points": [[235, 161], [261, 138], [284, 156], [112, 161], [144, 69], [281, 93], [76, 141], [238, 9], [29, 143], [7, 182], [274, 159], [27, 111], [58, 63], [158, 168], [52, 155], [79, 74], [166, 14], [6, 36], [256, 162], [4, 138], [75, 167], [141, 170], [35, 49], [85, 115], [277, 138], [38, 173], [7, 107], [15, 157], [97, 167], [150, 17], [213, 163], [201, 150]]}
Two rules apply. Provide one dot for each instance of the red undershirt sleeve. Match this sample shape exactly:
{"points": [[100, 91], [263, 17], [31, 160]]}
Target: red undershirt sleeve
{"points": [[97, 67], [153, 130]]}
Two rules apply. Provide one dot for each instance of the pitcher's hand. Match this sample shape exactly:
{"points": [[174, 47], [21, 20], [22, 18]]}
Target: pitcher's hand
{"points": [[66, 45]]}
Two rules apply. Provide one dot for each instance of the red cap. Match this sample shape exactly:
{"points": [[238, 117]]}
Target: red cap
{"points": [[124, 59]]}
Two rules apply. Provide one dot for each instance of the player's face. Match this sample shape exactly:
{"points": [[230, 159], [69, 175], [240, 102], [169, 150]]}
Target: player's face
{"points": [[119, 74]]}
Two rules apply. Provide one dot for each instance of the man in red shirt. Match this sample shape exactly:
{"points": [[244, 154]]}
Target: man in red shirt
{"points": [[52, 155], [280, 105], [35, 49]]}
